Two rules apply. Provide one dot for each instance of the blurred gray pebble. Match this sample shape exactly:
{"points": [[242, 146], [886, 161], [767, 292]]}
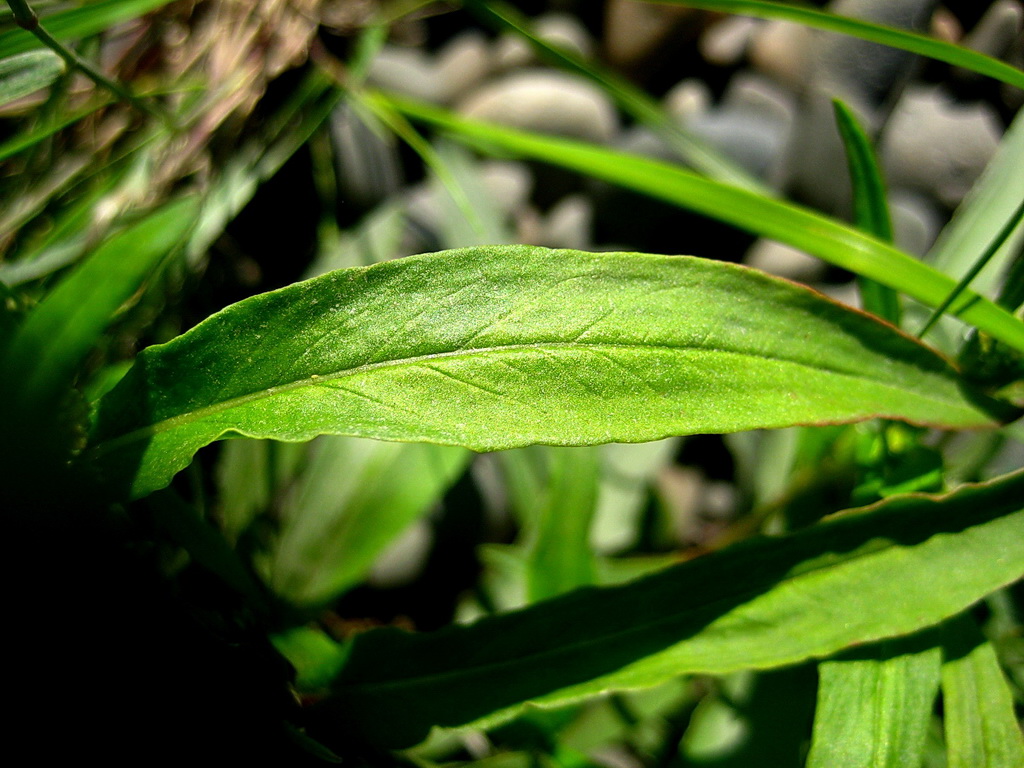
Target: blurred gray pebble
{"points": [[556, 29], [547, 102], [937, 145]]}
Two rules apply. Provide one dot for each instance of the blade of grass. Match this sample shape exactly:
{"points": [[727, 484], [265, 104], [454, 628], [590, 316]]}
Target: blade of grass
{"points": [[870, 207], [875, 705], [875, 33], [28, 21], [982, 214], [27, 73], [982, 261], [794, 225], [86, 21], [630, 98], [23, 141], [980, 722]]}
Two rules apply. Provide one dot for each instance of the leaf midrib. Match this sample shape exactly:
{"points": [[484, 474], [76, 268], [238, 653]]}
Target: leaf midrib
{"points": [[319, 379]]}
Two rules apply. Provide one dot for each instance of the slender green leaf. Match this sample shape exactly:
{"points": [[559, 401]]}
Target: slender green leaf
{"points": [[630, 98], [875, 33], [987, 207], [885, 571], [799, 227], [562, 347], [354, 498], [22, 141], [75, 23], [870, 207], [63, 328], [560, 558], [28, 72], [1015, 222], [981, 726], [875, 705]]}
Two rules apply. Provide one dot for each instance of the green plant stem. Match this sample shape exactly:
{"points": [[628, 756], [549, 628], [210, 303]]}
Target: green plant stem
{"points": [[27, 19], [979, 265]]}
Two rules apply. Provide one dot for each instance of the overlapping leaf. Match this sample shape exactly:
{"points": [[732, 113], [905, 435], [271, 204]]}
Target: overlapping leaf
{"points": [[504, 346], [903, 565]]}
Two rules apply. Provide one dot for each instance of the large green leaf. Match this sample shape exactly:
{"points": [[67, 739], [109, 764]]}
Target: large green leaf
{"points": [[866, 30], [885, 571], [981, 727], [504, 346], [875, 705], [794, 225]]}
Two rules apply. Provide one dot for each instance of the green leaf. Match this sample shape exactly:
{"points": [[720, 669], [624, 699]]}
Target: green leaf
{"points": [[981, 726], [355, 498], [63, 328], [75, 23], [27, 73], [875, 705], [875, 33], [799, 227], [870, 207], [560, 557], [899, 566], [986, 208], [556, 347], [42, 414]]}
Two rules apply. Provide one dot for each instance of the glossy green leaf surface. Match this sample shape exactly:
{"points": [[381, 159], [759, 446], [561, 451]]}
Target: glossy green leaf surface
{"points": [[794, 225], [980, 723], [875, 706], [875, 33], [87, 20], [763, 603], [560, 347]]}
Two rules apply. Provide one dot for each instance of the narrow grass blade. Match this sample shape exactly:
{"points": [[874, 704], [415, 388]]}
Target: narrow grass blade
{"points": [[875, 705], [799, 227], [563, 347], [77, 23], [987, 207], [60, 331], [355, 497], [27, 73], [875, 33], [993, 248], [763, 603], [22, 141], [560, 557], [630, 98], [870, 207], [981, 725]]}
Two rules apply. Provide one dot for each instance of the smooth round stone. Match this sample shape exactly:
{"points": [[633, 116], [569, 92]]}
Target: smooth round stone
{"points": [[782, 50], [915, 221], [687, 99], [508, 183], [407, 71], [634, 30], [784, 261], [547, 102], [555, 29], [725, 42], [938, 146], [462, 65], [569, 223]]}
